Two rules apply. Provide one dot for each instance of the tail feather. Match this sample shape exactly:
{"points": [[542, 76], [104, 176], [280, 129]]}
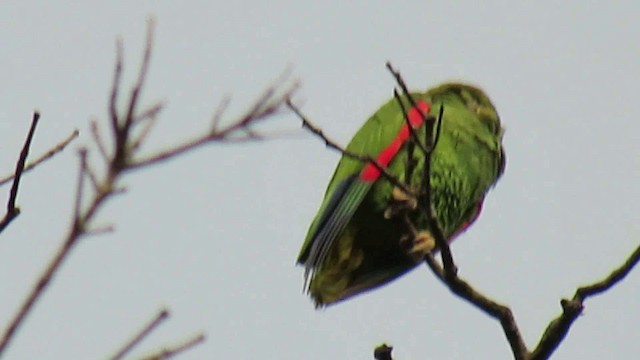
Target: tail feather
{"points": [[347, 200]]}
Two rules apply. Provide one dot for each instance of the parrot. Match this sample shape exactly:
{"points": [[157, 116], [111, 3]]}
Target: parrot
{"points": [[357, 241]]}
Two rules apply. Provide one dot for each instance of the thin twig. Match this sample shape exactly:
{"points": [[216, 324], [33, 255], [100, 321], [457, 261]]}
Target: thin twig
{"points": [[616, 276], [438, 126], [220, 110], [428, 147], [266, 105], [414, 135], [97, 138], [558, 328], [12, 210], [360, 157], [450, 268], [150, 113], [82, 154], [92, 177], [400, 81], [138, 337], [142, 74], [102, 230], [178, 349], [410, 162], [146, 130], [425, 191], [115, 89], [44, 157]]}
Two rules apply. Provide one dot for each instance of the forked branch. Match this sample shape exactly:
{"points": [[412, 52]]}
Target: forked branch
{"points": [[164, 353], [128, 131], [43, 157], [142, 334]]}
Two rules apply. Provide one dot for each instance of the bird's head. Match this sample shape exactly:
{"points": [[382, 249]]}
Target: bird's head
{"points": [[478, 103]]}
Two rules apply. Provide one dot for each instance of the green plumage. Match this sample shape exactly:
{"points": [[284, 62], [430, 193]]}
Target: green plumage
{"points": [[351, 245]]}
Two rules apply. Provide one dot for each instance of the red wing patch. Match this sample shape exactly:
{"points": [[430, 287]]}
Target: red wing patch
{"points": [[416, 116]]}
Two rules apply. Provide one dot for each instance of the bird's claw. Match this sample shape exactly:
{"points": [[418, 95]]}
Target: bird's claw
{"points": [[400, 201], [421, 245]]}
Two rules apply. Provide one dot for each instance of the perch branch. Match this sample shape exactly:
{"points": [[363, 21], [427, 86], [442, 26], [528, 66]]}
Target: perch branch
{"points": [[497, 311], [425, 191], [448, 273], [360, 157]]}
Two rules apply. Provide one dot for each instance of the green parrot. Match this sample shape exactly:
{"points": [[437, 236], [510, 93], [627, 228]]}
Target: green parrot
{"points": [[357, 241]]}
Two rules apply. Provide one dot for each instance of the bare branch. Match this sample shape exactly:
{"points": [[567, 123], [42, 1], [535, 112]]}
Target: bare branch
{"points": [[447, 258], [142, 74], [149, 114], [44, 157], [488, 306], [178, 349], [558, 328], [429, 146], [217, 116], [12, 210], [107, 229], [267, 104], [616, 276], [117, 163], [82, 154], [360, 157], [400, 81], [92, 176], [97, 138], [414, 135], [115, 89], [146, 129], [138, 337]]}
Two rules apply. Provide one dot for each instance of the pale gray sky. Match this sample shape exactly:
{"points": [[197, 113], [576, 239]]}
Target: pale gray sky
{"points": [[214, 235]]}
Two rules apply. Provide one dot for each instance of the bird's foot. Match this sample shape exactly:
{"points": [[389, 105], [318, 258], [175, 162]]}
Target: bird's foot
{"points": [[400, 201], [422, 244]]}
